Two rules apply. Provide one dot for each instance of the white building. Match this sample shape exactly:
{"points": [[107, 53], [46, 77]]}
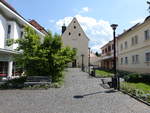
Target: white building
{"points": [[75, 37], [11, 27]]}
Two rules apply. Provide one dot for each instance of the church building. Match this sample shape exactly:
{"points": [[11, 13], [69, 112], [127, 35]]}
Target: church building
{"points": [[74, 37]]}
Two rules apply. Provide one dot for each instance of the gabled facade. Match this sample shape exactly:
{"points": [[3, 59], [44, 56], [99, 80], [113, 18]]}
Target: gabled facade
{"points": [[75, 37], [11, 27]]}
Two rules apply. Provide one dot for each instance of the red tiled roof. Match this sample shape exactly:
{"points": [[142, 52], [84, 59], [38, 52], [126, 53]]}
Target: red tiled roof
{"points": [[37, 25], [32, 22]]}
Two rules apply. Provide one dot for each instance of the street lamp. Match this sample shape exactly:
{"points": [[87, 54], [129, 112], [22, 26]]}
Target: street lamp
{"points": [[82, 62], [116, 78], [89, 61]]}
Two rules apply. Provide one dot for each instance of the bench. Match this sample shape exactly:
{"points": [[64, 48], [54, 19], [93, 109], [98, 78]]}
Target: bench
{"points": [[37, 80]]}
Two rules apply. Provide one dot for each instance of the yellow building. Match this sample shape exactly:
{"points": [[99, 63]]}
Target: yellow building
{"points": [[134, 48], [107, 56]]}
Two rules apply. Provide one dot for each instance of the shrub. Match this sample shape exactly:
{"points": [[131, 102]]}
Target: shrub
{"points": [[139, 93], [48, 58], [14, 83], [133, 77]]}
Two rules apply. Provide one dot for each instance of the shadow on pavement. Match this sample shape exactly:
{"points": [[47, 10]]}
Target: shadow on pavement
{"points": [[85, 95]]}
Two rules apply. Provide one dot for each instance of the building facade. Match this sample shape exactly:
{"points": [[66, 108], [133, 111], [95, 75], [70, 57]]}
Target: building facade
{"points": [[74, 37], [134, 48], [107, 55], [95, 60], [11, 27]]}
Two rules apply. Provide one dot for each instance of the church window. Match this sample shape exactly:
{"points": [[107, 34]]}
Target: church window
{"points": [[79, 34], [69, 33], [74, 27]]}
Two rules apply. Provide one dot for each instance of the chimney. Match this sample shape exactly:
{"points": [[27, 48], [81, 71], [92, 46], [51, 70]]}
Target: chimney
{"points": [[63, 28]]}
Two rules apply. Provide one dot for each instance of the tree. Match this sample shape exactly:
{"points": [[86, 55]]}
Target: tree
{"points": [[97, 54], [43, 59]]}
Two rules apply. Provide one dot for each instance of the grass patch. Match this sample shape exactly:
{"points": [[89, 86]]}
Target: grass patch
{"points": [[139, 90], [103, 73], [141, 86]]}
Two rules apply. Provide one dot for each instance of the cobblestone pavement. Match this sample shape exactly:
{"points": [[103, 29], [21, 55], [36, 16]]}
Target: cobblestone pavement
{"points": [[80, 94]]}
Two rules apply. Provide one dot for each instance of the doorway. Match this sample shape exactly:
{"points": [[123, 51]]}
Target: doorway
{"points": [[74, 64]]}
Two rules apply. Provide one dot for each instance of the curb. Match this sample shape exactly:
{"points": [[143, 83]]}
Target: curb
{"points": [[140, 100]]}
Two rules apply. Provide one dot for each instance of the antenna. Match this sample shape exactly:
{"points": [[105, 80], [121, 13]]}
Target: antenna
{"points": [[149, 6]]}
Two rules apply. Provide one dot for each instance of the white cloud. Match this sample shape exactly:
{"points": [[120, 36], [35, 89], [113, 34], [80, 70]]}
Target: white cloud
{"points": [[85, 9], [140, 20], [82, 10], [51, 21], [98, 31]]}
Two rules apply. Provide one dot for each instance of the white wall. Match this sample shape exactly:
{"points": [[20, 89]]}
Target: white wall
{"points": [[3, 29], [76, 41], [17, 34]]}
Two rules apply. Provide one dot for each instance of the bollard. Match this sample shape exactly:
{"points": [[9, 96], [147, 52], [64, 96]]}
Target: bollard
{"points": [[114, 82]]}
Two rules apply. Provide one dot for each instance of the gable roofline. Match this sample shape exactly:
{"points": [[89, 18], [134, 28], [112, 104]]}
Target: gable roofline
{"points": [[106, 44], [147, 19], [9, 8], [74, 18], [38, 26]]}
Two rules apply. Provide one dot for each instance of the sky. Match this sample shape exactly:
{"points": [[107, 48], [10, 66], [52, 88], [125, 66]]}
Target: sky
{"points": [[95, 16]]}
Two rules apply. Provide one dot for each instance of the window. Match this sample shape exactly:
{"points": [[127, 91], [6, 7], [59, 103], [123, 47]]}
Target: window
{"points": [[74, 21], [126, 45], [121, 47], [121, 60], [8, 31], [126, 60], [106, 50], [3, 68], [134, 40], [21, 34], [135, 59], [69, 33], [109, 48], [147, 57], [74, 27], [79, 34], [146, 34], [103, 52], [112, 46]]}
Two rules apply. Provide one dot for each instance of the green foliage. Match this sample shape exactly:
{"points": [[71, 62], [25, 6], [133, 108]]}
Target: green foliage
{"points": [[97, 54], [140, 90], [14, 83], [133, 77], [103, 73], [9, 42], [43, 59]]}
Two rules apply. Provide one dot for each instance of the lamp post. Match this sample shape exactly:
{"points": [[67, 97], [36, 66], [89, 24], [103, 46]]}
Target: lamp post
{"points": [[89, 61], [114, 26], [82, 62]]}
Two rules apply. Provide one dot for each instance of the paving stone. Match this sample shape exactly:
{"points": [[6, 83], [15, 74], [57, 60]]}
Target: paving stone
{"points": [[92, 98]]}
